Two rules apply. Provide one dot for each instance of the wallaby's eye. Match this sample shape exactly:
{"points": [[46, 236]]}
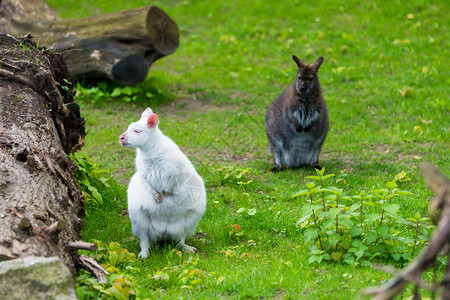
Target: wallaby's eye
{"points": [[137, 131]]}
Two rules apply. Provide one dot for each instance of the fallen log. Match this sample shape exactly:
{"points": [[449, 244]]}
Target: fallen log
{"points": [[120, 46], [41, 205], [439, 241]]}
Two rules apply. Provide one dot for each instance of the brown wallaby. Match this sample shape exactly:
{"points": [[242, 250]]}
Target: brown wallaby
{"points": [[297, 120]]}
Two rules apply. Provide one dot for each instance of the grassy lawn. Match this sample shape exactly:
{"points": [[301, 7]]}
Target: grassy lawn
{"points": [[385, 79]]}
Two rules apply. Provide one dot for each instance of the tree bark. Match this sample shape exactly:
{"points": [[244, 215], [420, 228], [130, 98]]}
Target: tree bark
{"points": [[41, 205], [120, 46]]}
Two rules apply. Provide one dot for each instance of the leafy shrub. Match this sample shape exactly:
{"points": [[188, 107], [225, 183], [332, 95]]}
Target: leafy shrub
{"points": [[358, 229], [108, 91], [90, 178]]}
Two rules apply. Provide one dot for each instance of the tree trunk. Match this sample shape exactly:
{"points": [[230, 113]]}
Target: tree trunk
{"points": [[41, 204], [119, 46]]}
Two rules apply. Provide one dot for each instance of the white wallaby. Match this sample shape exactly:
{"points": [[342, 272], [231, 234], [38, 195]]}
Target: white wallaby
{"points": [[166, 196]]}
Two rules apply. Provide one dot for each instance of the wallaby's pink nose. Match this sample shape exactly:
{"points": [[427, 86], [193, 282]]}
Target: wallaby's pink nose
{"points": [[122, 139]]}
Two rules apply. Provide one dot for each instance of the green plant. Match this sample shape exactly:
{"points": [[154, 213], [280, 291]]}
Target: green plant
{"points": [[112, 255], [185, 276], [231, 176], [358, 229], [65, 87], [119, 286], [90, 177], [105, 92], [27, 45]]}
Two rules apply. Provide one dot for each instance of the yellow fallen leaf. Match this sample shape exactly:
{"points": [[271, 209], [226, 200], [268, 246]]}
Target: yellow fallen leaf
{"points": [[228, 38], [220, 280], [401, 42], [192, 272], [401, 177], [417, 157], [228, 252], [119, 280], [112, 269], [425, 121], [417, 129], [425, 70], [410, 16], [406, 90], [320, 35]]}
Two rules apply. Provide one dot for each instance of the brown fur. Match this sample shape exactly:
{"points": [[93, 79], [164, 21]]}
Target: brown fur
{"points": [[297, 120]]}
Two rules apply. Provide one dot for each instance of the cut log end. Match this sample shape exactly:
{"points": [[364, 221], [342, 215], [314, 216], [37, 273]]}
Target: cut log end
{"points": [[130, 70], [56, 227], [25, 223], [162, 30]]}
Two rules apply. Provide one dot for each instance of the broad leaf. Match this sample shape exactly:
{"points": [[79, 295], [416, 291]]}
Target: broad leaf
{"points": [[355, 231], [311, 234], [334, 239], [391, 208]]}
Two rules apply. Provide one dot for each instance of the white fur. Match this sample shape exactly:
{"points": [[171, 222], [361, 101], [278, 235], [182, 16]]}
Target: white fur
{"points": [[304, 118], [162, 169]]}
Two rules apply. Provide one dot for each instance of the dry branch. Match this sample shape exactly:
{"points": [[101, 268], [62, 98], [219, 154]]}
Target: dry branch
{"points": [[81, 245], [90, 264]]}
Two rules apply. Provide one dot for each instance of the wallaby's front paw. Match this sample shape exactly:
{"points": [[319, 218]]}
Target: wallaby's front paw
{"points": [[275, 169], [143, 254], [158, 198]]}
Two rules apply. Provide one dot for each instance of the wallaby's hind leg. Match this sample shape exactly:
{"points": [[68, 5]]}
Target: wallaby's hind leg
{"points": [[276, 158], [185, 248], [315, 161], [276, 162], [276, 151], [145, 245]]}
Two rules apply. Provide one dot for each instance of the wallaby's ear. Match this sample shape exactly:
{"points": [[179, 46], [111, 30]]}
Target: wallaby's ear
{"points": [[298, 61], [152, 121], [147, 112], [317, 63]]}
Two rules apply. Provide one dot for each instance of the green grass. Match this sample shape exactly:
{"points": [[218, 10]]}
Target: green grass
{"points": [[385, 79]]}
